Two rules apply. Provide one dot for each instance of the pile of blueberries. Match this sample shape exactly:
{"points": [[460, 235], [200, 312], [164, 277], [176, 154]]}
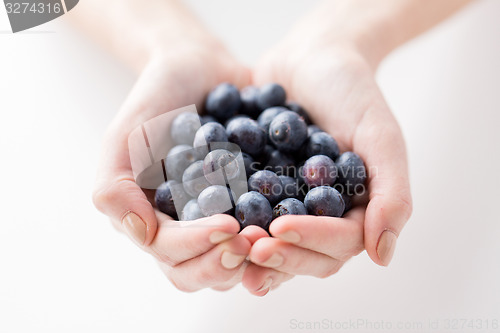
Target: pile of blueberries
{"points": [[256, 157]]}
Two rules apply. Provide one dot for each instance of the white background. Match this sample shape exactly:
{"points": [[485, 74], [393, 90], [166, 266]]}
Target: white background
{"points": [[63, 268]]}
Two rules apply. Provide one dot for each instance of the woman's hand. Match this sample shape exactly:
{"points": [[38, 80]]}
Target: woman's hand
{"points": [[208, 252], [336, 84]]}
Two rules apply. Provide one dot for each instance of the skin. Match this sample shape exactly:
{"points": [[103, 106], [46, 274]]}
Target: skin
{"points": [[327, 63]]}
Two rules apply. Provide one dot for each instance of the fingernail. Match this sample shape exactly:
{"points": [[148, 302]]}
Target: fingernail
{"points": [[266, 285], [275, 261], [386, 246], [135, 227], [230, 260], [217, 237], [289, 236]]}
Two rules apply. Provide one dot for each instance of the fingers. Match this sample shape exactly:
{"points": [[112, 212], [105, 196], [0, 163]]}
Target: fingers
{"points": [[284, 257], [253, 233], [179, 241], [213, 268], [339, 238], [380, 143], [259, 280]]}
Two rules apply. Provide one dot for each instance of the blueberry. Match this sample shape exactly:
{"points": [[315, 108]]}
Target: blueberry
{"points": [[322, 143], [238, 116], [248, 96], [319, 170], [170, 197], [210, 133], [194, 180], [288, 131], [253, 208], [311, 129], [280, 163], [251, 166], [220, 166], [191, 211], [178, 159], [216, 199], [271, 94], [289, 206], [206, 119], [295, 107], [268, 184], [184, 127], [324, 201], [351, 173], [291, 187], [223, 101], [267, 116], [247, 134]]}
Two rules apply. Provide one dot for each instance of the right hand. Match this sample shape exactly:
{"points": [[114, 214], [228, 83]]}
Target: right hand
{"points": [[194, 255]]}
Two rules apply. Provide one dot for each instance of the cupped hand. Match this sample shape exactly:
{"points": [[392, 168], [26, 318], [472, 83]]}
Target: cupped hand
{"points": [[336, 85], [204, 253]]}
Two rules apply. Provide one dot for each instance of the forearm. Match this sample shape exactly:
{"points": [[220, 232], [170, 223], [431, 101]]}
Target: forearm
{"points": [[376, 27], [135, 30]]}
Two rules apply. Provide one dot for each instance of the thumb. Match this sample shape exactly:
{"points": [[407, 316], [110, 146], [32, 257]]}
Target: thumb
{"points": [[117, 195], [380, 143]]}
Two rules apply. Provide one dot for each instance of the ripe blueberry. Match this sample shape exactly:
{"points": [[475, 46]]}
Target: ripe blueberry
{"points": [[223, 101], [319, 170], [289, 206], [253, 208], [324, 201], [288, 131]]}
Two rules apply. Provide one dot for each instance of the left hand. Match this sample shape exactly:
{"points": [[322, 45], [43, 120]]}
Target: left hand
{"points": [[336, 84]]}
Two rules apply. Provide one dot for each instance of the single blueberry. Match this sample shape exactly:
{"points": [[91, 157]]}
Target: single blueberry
{"points": [[319, 170], [178, 159], [290, 206], [184, 128], [322, 143], [267, 116], [271, 94], [324, 201], [351, 173], [247, 134], [170, 197], [210, 133], [191, 211], [295, 107], [288, 131], [216, 199], [223, 101], [268, 184], [194, 180], [220, 166], [253, 208], [248, 96]]}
